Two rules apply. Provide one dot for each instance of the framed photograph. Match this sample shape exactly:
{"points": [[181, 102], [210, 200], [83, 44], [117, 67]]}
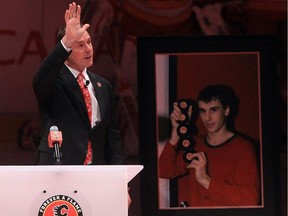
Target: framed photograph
{"points": [[176, 67]]}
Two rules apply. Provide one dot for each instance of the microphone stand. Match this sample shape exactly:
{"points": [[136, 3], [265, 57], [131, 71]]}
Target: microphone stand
{"points": [[57, 154]]}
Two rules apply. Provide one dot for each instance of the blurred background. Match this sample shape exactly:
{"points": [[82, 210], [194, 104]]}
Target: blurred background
{"points": [[28, 33]]}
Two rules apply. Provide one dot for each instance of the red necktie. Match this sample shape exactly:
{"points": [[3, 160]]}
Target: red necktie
{"points": [[87, 99]]}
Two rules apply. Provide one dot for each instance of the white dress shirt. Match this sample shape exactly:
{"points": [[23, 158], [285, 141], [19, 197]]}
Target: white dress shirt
{"points": [[95, 106]]}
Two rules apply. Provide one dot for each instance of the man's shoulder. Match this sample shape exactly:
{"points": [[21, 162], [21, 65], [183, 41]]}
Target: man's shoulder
{"points": [[243, 138], [97, 77], [243, 141], [99, 80]]}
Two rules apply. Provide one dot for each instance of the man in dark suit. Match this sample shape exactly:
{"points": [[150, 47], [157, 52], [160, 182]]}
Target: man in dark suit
{"points": [[62, 104]]}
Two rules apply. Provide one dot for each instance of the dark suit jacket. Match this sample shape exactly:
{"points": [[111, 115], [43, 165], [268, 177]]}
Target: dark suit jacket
{"points": [[61, 104]]}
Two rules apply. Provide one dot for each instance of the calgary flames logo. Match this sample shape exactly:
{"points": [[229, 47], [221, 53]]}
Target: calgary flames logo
{"points": [[60, 205]]}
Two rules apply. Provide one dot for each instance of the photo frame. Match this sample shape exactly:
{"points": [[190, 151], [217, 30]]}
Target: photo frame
{"points": [[172, 67]]}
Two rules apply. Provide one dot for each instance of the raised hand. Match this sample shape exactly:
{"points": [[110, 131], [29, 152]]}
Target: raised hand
{"points": [[200, 166], [74, 30]]}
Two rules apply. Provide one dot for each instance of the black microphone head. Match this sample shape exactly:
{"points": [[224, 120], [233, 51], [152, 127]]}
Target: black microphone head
{"points": [[87, 82]]}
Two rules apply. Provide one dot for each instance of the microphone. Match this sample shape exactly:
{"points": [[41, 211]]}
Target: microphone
{"points": [[87, 82], [55, 141]]}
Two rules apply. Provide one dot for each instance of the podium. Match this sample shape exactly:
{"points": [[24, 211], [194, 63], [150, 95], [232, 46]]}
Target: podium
{"points": [[65, 190]]}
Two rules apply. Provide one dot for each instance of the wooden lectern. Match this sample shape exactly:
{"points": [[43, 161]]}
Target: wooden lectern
{"points": [[65, 190]]}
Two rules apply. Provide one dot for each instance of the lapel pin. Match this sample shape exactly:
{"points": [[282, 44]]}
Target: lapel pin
{"points": [[99, 84]]}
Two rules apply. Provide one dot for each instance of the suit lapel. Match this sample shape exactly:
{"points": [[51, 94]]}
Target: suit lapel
{"points": [[98, 88]]}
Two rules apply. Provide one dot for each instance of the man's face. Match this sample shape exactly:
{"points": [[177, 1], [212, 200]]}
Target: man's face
{"points": [[82, 53], [213, 115]]}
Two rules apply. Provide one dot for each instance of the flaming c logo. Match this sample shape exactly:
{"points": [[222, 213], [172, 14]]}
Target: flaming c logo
{"points": [[60, 205]]}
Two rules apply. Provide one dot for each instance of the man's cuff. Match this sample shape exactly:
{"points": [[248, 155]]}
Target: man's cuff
{"points": [[66, 48]]}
